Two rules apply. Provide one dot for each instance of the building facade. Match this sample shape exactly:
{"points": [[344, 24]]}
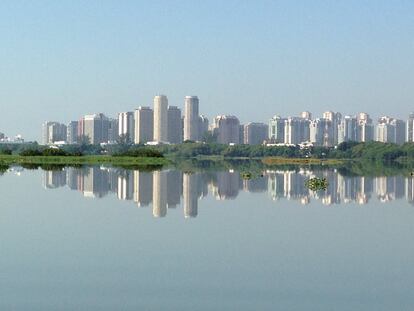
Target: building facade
{"points": [[72, 132], [144, 125], [160, 118], [95, 128], [191, 118], [227, 129], [175, 130], [255, 133], [277, 129], [126, 126]]}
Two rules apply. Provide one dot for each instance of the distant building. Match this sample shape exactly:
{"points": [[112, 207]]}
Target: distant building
{"points": [[191, 118], [202, 126], [72, 132], [144, 125], [331, 136], [255, 133], [277, 129], [296, 130], [321, 132], [365, 128], [306, 115], [113, 130], [390, 130], [126, 126], [410, 128], [400, 131], [95, 128], [53, 132], [161, 118], [348, 129], [227, 129], [174, 125]]}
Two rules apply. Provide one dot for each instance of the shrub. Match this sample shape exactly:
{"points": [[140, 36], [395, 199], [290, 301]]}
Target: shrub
{"points": [[30, 153], [54, 152]]}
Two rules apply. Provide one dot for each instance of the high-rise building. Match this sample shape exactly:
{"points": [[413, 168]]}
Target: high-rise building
{"points": [[144, 125], [161, 118], [72, 132], [348, 129], [191, 118], [174, 125], [320, 130], [410, 128], [95, 128], [365, 128], [113, 130], [202, 126], [400, 131], [331, 136], [255, 133], [126, 126], [227, 129], [385, 131], [53, 132], [306, 115], [297, 130], [277, 129], [390, 130]]}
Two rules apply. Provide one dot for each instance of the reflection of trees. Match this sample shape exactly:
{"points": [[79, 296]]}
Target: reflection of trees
{"points": [[3, 168]]}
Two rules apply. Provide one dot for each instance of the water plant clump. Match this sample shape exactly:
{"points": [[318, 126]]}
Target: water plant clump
{"points": [[316, 184]]}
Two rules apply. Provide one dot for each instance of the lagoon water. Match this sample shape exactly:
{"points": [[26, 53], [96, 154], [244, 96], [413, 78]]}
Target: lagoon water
{"points": [[102, 238]]}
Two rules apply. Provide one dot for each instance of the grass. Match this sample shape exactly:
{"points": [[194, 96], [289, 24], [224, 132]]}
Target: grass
{"points": [[301, 161], [79, 160]]}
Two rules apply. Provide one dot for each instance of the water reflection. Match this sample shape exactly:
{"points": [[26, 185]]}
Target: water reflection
{"points": [[166, 189]]}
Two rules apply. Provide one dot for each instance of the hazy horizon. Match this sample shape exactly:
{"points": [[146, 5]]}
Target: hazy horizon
{"points": [[61, 60]]}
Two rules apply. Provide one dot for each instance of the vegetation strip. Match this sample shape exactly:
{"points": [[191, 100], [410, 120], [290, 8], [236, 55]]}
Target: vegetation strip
{"points": [[74, 160]]}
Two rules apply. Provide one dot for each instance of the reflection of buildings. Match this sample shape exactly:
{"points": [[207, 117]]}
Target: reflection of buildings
{"points": [[409, 189], [159, 194], [143, 188], [256, 184], [94, 182], [54, 179], [174, 188], [389, 188], [164, 188], [276, 184], [294, 186], [227, 186], [126, 185], [190, 194], [365, 186]]}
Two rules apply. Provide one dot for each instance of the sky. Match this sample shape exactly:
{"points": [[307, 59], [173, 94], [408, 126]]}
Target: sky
{"points": [[62, 59]]}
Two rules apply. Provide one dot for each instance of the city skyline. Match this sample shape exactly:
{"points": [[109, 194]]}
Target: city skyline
{"points": [[279, 57], [164, 123]]}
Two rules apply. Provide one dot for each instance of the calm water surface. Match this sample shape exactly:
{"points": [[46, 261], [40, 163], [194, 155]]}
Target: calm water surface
{"points": [[99, 238]]}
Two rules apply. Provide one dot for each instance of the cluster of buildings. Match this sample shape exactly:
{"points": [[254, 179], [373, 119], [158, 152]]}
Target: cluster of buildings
{"points": [[168, 124], [333, 129], [161, 124], [18, 139], [169, 189]]}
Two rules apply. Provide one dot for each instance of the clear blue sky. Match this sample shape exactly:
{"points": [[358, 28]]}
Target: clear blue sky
{"points": [[254, 59]]}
